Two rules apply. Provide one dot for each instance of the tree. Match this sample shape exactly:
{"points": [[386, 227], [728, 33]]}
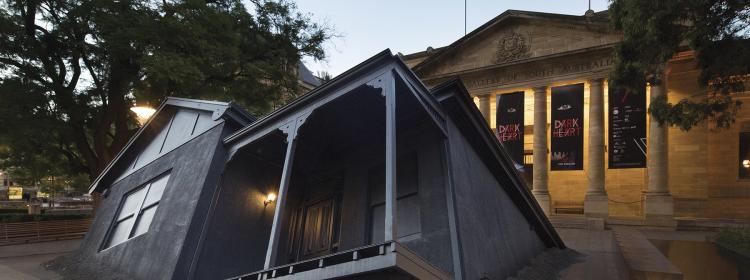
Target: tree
{"points": [[323, 76], [71, 69], [45, 173], [654, 31]]}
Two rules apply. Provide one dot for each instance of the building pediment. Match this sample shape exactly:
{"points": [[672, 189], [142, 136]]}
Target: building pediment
{"points": [[516, 36]]}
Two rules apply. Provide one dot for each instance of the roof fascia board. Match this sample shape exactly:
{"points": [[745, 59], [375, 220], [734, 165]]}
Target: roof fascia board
{"points": [[339, 81], [262, 128], [420, 92], [212, 106], [127, 146], [193, 103], [234, 113], [455, 89], [220, 109]]}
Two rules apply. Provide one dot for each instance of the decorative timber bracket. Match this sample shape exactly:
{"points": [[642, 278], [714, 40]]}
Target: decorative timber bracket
{"points": [[291, 128], [384, 82]]}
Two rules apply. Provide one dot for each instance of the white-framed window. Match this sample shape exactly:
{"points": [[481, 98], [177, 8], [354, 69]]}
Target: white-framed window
{"points": [[137, 211]]}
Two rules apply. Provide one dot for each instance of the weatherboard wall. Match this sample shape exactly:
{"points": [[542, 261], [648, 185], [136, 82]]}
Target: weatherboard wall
{"points": [[496, 240], [157, 254]]}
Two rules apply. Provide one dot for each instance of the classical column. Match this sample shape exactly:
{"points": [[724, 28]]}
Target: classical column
{"points": [[484, 106], [595, 204], [658, 201], [539, 183]]}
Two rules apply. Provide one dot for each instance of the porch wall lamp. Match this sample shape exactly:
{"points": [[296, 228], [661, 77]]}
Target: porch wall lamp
{"points": [[746, 163], [271, 197]]}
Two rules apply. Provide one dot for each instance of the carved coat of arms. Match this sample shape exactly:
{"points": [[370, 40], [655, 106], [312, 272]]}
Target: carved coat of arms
{"points": [[512, 46]]}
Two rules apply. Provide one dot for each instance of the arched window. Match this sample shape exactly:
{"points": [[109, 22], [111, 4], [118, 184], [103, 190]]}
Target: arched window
{"points": [[744, 151]]}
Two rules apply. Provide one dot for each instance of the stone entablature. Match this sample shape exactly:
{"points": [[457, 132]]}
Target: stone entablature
{"points": [[590, 63], [515, 39], [543, 72]]}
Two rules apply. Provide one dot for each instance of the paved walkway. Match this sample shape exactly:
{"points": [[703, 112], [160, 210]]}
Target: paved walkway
{"points": [[602, 259], [22, 262], [599, 257]]}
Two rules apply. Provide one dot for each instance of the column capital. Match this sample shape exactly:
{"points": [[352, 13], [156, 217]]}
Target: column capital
{"points": [[484, 107], [596, 81], [540, 88]]}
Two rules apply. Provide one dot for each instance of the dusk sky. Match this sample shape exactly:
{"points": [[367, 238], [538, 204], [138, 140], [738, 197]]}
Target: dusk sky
{"points": [[407, 26]]}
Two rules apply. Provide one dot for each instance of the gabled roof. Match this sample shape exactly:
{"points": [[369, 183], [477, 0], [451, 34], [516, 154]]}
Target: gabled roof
{"points": [[599, 17], [357, 73], [449, 100], [305, 75], [337, 81], [459, 106], [220, 110]]}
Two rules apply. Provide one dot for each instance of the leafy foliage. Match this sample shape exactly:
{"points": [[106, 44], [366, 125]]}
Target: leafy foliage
{"points": [[25, 218], [655, 31], [72, 69], [735, 239]]}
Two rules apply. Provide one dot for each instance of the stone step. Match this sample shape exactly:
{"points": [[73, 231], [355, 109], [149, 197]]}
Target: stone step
{"points": [[643, 259], [709, 224], [568, 221]]}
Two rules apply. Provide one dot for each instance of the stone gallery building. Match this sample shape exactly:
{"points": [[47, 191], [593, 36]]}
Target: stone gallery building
{"points": [[540, 81], [368, 176]]}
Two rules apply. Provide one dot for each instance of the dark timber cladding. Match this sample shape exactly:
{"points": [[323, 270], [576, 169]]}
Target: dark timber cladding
{"points": [[384, 97], [182, 145], [375, 177]]}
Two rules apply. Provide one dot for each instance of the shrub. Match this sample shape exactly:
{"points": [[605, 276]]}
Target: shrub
{"points": [[13, 211], [735, 239], [21, 218]]}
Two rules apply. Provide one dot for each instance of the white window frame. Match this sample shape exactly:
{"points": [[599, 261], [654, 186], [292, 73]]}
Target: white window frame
{"points": [[142, 206]]}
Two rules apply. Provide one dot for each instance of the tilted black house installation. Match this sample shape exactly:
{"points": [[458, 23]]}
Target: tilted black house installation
{"points": [[376, 178]]}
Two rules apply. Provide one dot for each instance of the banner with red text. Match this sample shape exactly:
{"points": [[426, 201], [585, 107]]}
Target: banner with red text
{"points": [[509, 119], [566, 130]]}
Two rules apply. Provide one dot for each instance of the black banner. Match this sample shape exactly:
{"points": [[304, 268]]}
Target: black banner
{"points": [[510, 124], [567, 128], [627, 130]]}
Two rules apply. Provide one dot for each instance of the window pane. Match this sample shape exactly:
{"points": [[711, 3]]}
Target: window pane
{"points": [[157, 189], [144, 220], [408, 216], [132, 203], [407, 181], [120, 232], [407, 223]]}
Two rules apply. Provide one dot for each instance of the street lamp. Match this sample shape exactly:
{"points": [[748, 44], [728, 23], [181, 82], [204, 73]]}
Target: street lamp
{"points": [[143, 113]]}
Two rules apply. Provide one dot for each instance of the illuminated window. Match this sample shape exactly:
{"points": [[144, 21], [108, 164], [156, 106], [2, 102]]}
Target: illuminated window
{"points": [[137, 211], [744, 151], [15, 193]]}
